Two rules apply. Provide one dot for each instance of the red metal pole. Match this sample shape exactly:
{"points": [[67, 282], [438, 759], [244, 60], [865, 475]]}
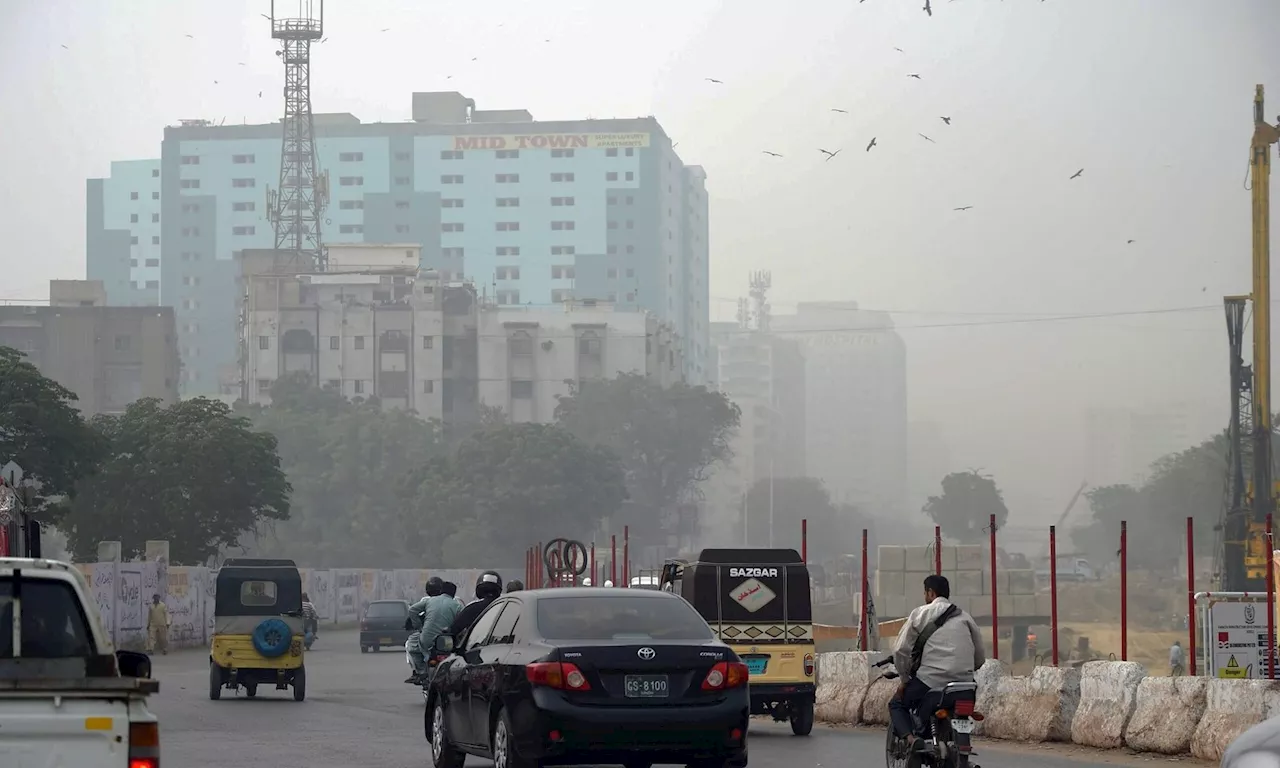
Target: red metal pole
{"points": [[1124, 590], [862, 621], [995, 613], [937, 549], [804, 539], [1271, 604], [1191, 595], [613, 559], [626, 556], [528, 568], [538, 567], [594, 583], [1053, 591]]}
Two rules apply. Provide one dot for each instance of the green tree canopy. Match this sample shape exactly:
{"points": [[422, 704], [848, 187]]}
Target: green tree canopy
{"points": [[965, 507], [834, 529], [192, 474], [506, 486], [40, 428], [667, 438]]}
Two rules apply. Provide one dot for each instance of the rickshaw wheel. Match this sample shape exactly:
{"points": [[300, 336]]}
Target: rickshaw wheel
{"points": [[215, 681], [300, 684]]}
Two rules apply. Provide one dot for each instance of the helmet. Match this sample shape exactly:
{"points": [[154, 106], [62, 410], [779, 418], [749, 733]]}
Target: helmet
{"points": [[608, 582], [435, 585], [515, 585], [586, 581], [488, 584]]}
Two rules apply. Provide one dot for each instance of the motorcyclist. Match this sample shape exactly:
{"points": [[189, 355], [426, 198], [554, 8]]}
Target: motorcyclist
{"points": [[951, 652], [488, 589], [415, 623], [451, 590]]}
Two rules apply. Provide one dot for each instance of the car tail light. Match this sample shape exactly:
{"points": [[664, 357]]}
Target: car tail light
{"points": [[724, 675], [808, 665], [560, 675], [963, 708], [144, 745]]}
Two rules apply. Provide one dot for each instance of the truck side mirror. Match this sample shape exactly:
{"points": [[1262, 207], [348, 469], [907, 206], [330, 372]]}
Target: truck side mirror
{"points": [[133, 664]]}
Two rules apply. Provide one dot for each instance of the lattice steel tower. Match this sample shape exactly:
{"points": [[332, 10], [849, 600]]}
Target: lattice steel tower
{"points": [[296, 208]]}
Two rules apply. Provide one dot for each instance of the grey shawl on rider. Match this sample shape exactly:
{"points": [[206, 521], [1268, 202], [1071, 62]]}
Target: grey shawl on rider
{"points": [[952, 653]]}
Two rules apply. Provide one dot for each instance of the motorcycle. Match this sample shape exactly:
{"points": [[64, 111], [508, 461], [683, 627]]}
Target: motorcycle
{"points": [[945, 728]]}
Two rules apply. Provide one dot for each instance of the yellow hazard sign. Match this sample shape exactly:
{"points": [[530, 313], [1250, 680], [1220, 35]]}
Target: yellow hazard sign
{"points": [[1233, 669]]}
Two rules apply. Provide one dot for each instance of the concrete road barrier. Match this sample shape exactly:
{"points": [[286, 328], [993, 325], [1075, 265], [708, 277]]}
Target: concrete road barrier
{"points": [[1167, 712], [875, 705], [1039, 707], [1108, 695], [1231, 708], [843, 680]]}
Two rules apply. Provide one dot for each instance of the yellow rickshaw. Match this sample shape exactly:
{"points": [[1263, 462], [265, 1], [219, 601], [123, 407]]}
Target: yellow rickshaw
{"points": [[258, 628]]}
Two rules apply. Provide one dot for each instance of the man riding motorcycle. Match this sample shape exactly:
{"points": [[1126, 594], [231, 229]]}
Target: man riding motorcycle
{"points": [[952, 649], [488, 589], [437, 611], [414, 622]]}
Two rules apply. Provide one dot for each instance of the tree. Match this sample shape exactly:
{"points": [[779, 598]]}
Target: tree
{"points": [[1099, 540], [833, 529], [41, 430], [965, 507], [667, 438], [192, 474], [507, 486], [345, 460]]}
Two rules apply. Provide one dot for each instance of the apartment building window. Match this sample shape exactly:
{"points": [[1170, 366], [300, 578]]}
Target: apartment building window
{"points": [[563, 250], [428, 342], [612, 249], [507, 226], [507, 178], [404, 155], [185, 184], [562, 225], [335, 343], [357, 342], [350, 157], [402, 228], [403, 181], [249, 230], [611, 176], [122, 343], [402, 205], [195, 207], [264, 386], [590, 345], [153, 262], [507, 202], [155, 195], [133, 218], [186, 303], [520, 344], [507, 273], [133, 240], [521, 389], [428, 386], [611, 200], [454, 253], [351, 205], [508, 297], [190, 256], [612, 225], [631, 249], [244, 183], [562, 177], [631, 272], [244, 207], [155, 173], [264, 342], [451, 154], [630, 176], [612, 273], [350, 229], [190, 281], [151, 284], [451, 202], [358, 385], [611, 152], [562, 153], [451, 179], [155, 218], [632, 225], [190, 159], [452, 226], [351, 181], [242, 159], [630, 152], [561, 201], [559, 296], [507, 154], [562, 272], [508, 250], [632, 297]]}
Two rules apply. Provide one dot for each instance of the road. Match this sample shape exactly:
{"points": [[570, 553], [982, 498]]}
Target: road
{"points": [[358, 712]]}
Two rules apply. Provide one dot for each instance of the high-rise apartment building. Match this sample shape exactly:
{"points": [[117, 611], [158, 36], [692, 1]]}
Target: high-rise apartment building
{"points": [[122, 232], [534, 212]]}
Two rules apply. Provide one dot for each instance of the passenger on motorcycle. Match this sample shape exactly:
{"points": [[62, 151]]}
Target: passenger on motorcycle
{"points": [[437, 611], [951, 652], [488, 589]]}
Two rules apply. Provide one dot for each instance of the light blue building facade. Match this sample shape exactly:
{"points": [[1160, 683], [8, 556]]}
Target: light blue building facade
{"points": [[122, 232], [534, 212]]}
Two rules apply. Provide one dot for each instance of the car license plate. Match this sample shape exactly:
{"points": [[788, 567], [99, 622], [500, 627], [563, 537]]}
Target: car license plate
{"points": [[757, 666], [385, 640], [962, 725], [645, 686]]}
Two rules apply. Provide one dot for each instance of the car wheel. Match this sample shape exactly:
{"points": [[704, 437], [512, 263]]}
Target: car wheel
{"points": [[251, 689], [364, 649], [802, 719], [376, 648], [504, 747], [443, 753], [300, 684], [215, 682]]}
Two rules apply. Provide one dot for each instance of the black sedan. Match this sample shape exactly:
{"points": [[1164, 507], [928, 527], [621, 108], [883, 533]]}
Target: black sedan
{"points": [[383, 624], [587, 676]]}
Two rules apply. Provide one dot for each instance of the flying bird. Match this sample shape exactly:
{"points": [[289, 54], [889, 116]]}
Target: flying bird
{"points": [[66, 47], [191, 37], [265, 16], [1076, 175], [829, 154], [962, 208], [926, 138], [899, 50], [713, 80], [872, 144], [767, 152], [673, 146], [841, 111], [242, 63], [388, 29], [946, 120], [259, 94], [1130, 242], [929, 10], [915, 76]]}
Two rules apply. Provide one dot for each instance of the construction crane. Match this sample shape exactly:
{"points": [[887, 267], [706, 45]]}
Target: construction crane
{"points": [[1251, 490]]}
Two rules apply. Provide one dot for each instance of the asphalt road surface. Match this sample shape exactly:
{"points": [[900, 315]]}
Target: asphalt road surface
{"points": [[359, 713]]}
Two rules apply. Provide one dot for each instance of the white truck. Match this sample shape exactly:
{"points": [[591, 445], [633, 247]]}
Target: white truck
{"points": [[67, 698]]}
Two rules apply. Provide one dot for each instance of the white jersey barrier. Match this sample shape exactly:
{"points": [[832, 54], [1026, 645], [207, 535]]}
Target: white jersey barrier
{"points": [[123, 591], [1107, 704]]}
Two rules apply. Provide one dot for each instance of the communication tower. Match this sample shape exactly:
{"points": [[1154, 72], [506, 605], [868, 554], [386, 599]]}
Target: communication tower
{"points": [[761, 282], [296, 207]]}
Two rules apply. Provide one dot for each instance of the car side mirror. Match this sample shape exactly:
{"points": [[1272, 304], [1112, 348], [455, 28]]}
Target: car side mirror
{"points": [[444, 644], [133, 664]]}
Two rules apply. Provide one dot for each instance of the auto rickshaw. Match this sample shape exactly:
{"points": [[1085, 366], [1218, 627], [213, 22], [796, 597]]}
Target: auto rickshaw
{"points": [[258, 628], [757, 601]]}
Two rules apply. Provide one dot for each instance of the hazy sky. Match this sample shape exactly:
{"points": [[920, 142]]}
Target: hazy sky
{"points": [[1151, 97]]}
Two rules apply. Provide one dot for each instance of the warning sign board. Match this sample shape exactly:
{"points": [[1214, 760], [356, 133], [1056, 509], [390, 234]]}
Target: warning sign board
{"points": [[1232, 669], [1238, 631]]}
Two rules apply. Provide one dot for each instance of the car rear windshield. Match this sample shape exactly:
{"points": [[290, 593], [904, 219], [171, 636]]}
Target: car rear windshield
{"points": [[619, 617], [53, 623], [386, 610]]}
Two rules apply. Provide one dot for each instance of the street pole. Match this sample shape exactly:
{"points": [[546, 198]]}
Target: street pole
{"points": [[771, 497]]}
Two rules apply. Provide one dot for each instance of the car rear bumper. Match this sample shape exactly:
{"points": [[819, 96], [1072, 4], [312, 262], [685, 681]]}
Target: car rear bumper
{"points": [[386, 637], [772, 692], [609, 735]]}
